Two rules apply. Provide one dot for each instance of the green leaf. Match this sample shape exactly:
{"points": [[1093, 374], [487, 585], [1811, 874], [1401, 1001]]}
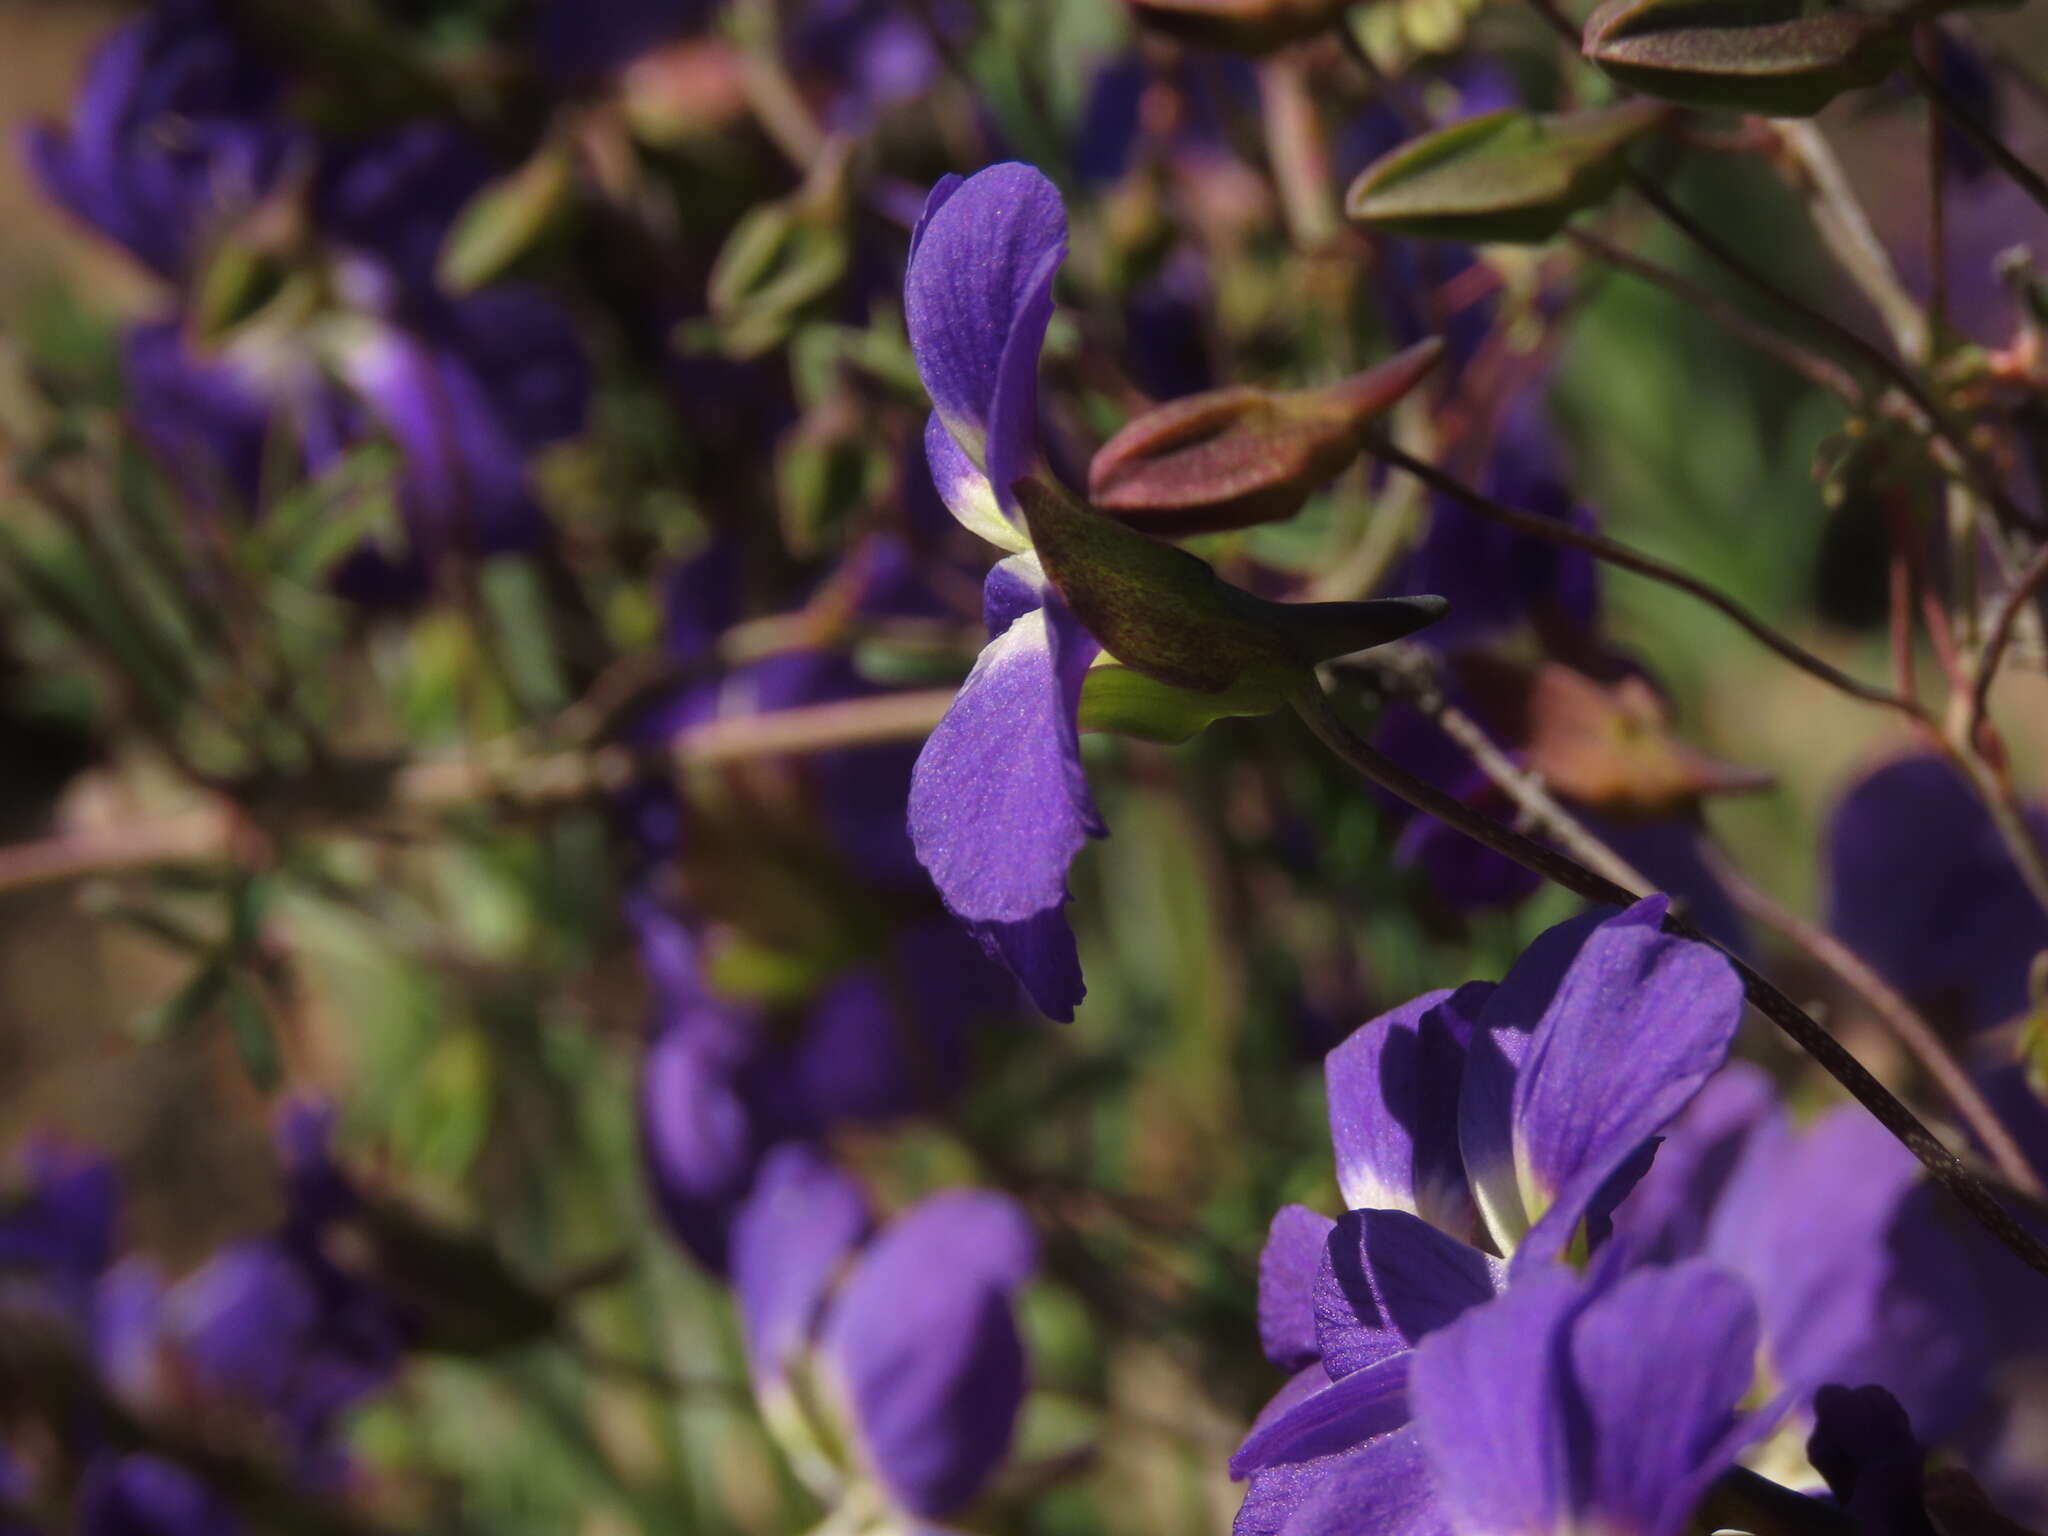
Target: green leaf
{"points": [[1507, 176], [1764, 56], [249, 1027], [1118, 701], [506, 219], [1161, 611]]}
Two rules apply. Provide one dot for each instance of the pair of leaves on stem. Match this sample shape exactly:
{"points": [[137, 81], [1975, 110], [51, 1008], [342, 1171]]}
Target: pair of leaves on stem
{"points": [[1517, 177]]}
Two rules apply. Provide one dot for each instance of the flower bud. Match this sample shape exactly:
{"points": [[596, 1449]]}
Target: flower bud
{"points": [[1237, 457], [1248, 26]]}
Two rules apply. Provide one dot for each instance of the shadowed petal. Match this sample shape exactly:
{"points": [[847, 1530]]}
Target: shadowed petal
{"points": [[1488, 1399], [1863, 1444], [1383, 1489], [1387, 1278], [788, 1241], [925, 1348], [1805, 1219], [1920, 883], [1661, 1362], [999, 804], [1667, 1215], [977, 300], [1393, 1100], [1493, 1060], [1338, 1419], [1287, 1277]]}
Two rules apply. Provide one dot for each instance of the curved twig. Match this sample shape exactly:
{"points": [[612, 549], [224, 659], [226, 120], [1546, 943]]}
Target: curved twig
{"points": [[1942, 1165], [1556, 531]]}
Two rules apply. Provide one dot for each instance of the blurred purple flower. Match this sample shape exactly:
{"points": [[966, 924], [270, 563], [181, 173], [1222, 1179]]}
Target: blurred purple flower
{"points": [[1920, 884], [176, 151], [173, 138], [726, 1078], [1497, 579], [911, 1330], [1857, 1274], [141, 1495]]}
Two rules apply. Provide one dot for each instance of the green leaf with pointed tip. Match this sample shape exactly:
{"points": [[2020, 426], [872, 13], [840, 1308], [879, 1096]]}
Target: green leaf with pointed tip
{"points": [[1507, 177], [1117, 701], [507, 219], [1764, 56], [1163, 612]]}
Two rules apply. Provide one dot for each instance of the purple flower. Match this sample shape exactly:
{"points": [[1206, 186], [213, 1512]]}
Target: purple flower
{"points": [[1567, 1406], [999, 801], [173, 151], [1920, 884], [1521, 1112], [906, 1336], [140, 1495], [58, 1232], [172, 139], [724, 1079], [1856, 1272]]}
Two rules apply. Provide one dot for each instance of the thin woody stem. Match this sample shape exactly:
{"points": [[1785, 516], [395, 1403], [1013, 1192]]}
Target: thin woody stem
{"points": [[1999, 636], [1811, 366], [1556, 531], [1942, 1165], [1845, 229], [1893, 1011], [1960, 118], [511, 775], [1983, 478], [1396, 669]]}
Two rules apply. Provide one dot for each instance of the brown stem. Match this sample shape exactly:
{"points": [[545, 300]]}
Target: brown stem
{"points": [[1809, 365], [528, 781], [1964, 122], [1942, 1165], [1999, 636], [1401, 670], [1982, 476], [1557, 531], [1893, 1011], [1926, 42], [1300, 161]]}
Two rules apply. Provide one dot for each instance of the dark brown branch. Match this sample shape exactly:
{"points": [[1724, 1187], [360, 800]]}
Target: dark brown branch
{"points": [[1942, 1165], [1556, 531]]}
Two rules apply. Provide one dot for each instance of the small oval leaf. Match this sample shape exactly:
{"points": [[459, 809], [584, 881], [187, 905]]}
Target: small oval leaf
{"points": [[1770, 58], [1508, 176]]}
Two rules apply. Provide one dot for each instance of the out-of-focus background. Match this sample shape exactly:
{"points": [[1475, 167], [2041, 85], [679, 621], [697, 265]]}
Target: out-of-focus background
{"points": [[476, 996]]}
